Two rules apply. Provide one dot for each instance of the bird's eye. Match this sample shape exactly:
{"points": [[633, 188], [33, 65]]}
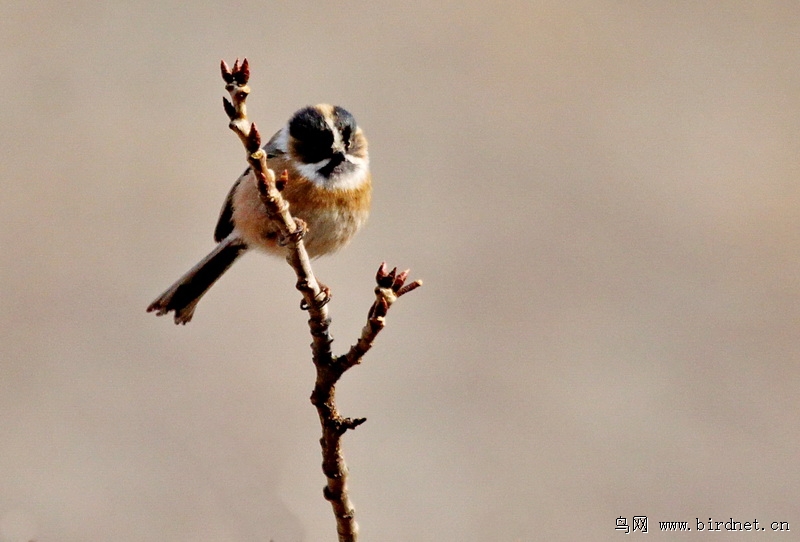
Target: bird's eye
{"points": [[346, 124], [346, 134]]}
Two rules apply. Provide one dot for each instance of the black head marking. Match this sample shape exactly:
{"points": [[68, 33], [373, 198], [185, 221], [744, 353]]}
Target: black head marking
{"points": [[345, 123], [313, 136]]}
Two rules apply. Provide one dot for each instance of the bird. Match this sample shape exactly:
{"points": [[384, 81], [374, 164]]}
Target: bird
{"points": [[329, 187]]}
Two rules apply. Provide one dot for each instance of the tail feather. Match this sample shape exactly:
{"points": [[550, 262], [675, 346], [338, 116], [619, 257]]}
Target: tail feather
{"points": [[182, 297]]}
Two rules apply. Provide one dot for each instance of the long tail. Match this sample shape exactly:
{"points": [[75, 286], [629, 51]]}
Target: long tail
{"points": [[182, 297]]}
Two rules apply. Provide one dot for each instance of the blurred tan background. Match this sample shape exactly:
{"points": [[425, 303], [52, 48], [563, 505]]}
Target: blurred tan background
{"points": [[601, 197]]}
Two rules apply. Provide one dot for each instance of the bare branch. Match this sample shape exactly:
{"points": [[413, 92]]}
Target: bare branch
{"points": [[390, 286]]}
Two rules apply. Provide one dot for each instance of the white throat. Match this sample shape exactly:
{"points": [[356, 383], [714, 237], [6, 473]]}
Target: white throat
{"points": [[348, 180]]}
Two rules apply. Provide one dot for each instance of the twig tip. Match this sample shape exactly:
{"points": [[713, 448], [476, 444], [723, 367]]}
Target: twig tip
{"points": [[253, 139], [409, 287]]}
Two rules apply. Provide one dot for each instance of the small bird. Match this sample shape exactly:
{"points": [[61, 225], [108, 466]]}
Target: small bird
{"points": [[329, 187]]}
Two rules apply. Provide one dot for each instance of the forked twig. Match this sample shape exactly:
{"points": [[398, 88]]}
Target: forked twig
{"points": [[390, 286]]}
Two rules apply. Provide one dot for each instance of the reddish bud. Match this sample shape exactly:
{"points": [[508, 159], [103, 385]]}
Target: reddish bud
{"points": [[253, 139], [280, 184], [229, 109], [226, 72], [244, 73], [386, 279], [381, 274], [400, 279]]}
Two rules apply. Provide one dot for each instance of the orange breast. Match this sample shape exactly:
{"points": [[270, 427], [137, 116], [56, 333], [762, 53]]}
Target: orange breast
{"points": [[333, 216]]}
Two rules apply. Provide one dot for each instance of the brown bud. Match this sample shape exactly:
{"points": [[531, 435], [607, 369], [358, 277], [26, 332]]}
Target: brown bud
{"points": [[386, 279], [381, 274], [400, 279], [253, 139], [243, 76], [280, 184], [226, 72], [229, 109]]}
